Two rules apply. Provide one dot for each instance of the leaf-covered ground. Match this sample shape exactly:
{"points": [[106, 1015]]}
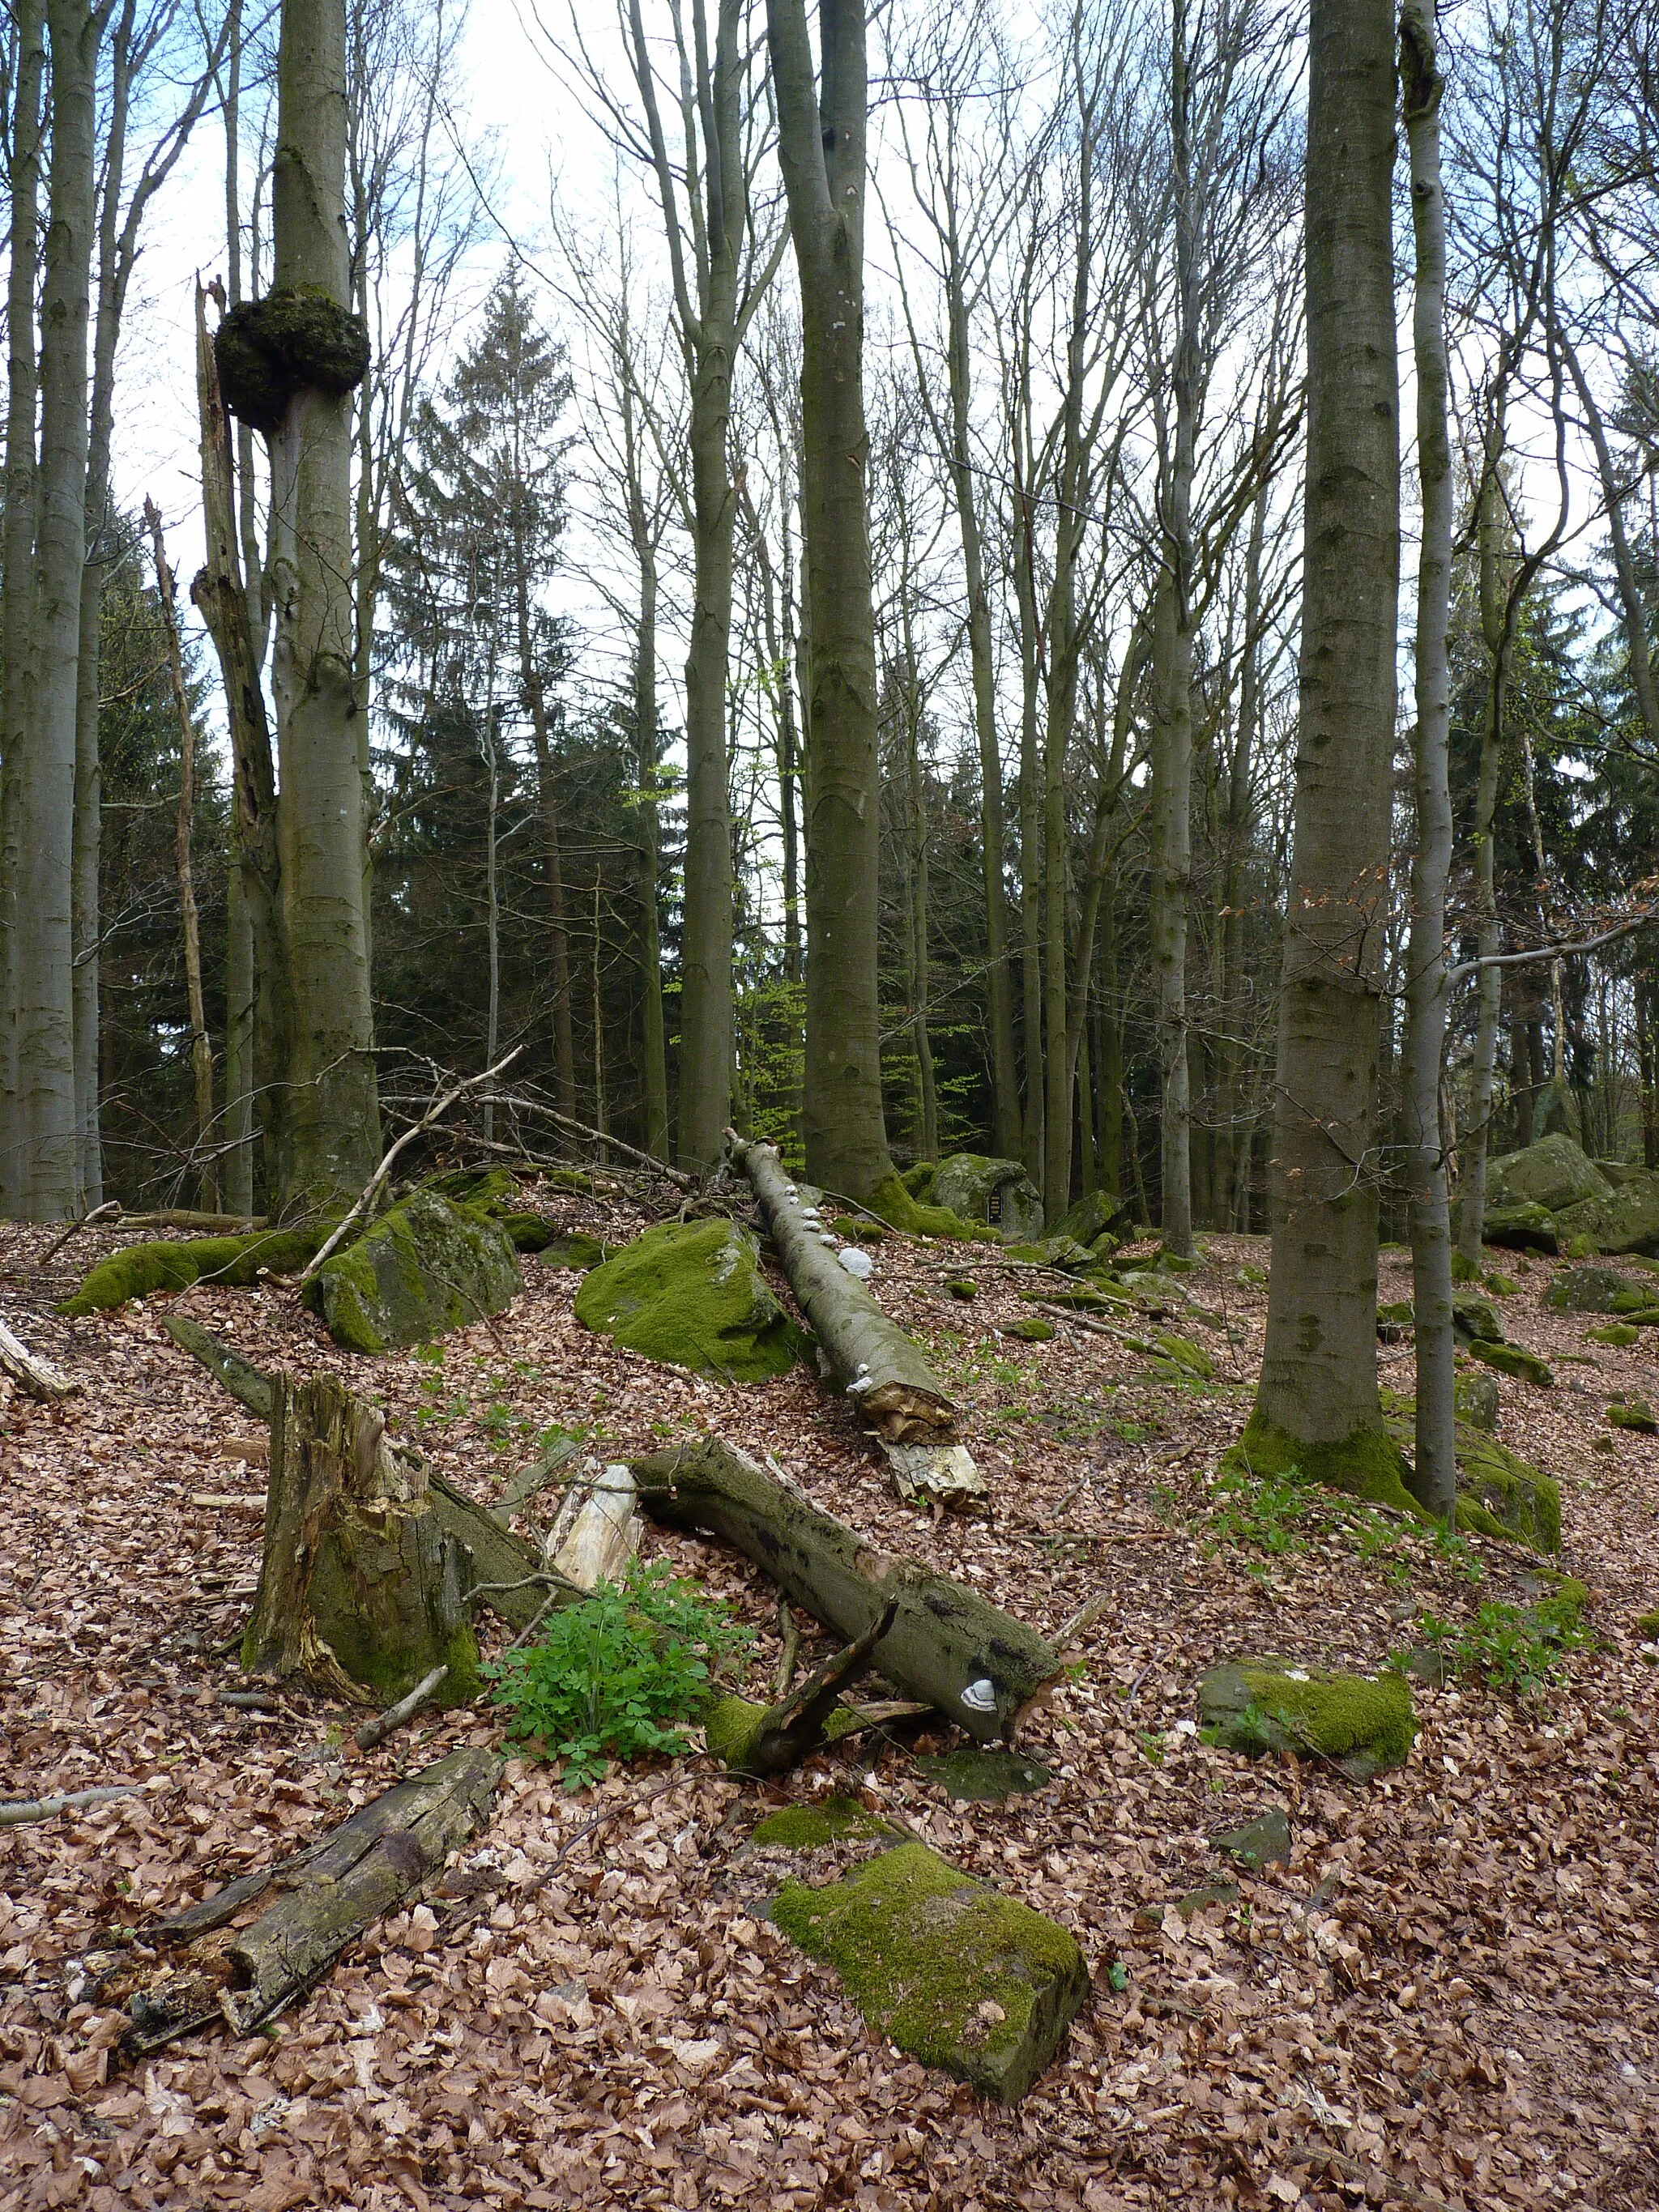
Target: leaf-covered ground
{"points": [[1449, 1996]]}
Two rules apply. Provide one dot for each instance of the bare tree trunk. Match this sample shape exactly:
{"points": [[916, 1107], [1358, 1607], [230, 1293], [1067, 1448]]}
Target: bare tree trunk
{"points": [[1317, 1407], [334, 1117], [200, 1045], [558, 927], [17, 605], [655, 1056], [1495, 631], [821, 147], [1434, 1478], [1031, 841]]}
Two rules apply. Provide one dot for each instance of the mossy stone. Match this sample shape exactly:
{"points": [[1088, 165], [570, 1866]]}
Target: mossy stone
{"points": [[1255, 1276], [918, 1179], [1593, 1290], [290, 341], [140, 1269], [1474, 1320], [1263, 1842], [1095, 1216], [998, 1192], [1646, 1625], [1502, 1286], [1395, 1318], [1554, 1173], [1634, 1413], [1500, 1493], [1474, 1398], [574, 1251], [810, 1827], [1618, 1334], [1463, 1270], [1031, 1328], [1081, 1297], [423, 1268], [1582, 1248], [963, 1287], [953, 1972], [1362, 1724], [692, 1293], [1527, 1227], [1623, 1220], [1366, 1464], [978, 1776], [901, 1211], [1511, 1359], [1191, 1358]]}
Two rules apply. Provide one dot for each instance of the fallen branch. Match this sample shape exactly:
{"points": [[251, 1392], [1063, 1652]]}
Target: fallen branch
{"points": [[948, 1645], [109, 1210], [781, 1735], [512, 1101], [378, 1729], [22, 1810], [1084, 1617], [36, 1376], [1373, 2178], [376, 1182]]}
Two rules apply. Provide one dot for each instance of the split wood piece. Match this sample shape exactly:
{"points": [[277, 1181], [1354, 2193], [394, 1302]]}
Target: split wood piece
{"points": [[362, 1589], [597, 1531], [936, 1474], [515, 1575], [948, 1645], [382, 1725], [881, 1367], [356, 1874], [771, 1740], [32, 1373]]}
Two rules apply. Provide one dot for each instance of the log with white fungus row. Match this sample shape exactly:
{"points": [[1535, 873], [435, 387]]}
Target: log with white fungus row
{"points": [[880, 1366], [946, 1646]]}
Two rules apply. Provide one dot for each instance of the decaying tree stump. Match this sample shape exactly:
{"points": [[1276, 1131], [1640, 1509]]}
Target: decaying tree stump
{"points": [[946, 1646], [362, 1590]]}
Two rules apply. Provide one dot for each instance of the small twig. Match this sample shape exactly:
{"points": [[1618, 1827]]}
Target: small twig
{"points": [[252, 1701], [1082, 1483], [21, 1810], [1362, 2170], [1084, 1617], [366, 1197], [377, 1730], [109, 1210], [789, 1630]]}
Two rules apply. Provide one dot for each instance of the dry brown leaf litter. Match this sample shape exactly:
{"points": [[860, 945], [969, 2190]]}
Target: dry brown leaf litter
{"points": [[1451, 1992]]}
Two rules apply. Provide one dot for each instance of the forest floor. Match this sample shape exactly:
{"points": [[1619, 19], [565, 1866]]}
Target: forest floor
{"points": [[1448, 1996]]}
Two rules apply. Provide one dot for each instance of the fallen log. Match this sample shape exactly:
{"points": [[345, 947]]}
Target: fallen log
{"points": [[879, 1365], [518, 1578], [771, 1740], [330, 1893], [36, 1376], [361, 1586], [947, 1645]]}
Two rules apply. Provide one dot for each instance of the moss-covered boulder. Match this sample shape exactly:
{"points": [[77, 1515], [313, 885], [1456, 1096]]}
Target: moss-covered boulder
{"points": [[424, 1268], [1595, 1289], [954, 1973], [138, 1269], [1094, 1217], [692, 1293], [1031, 1328], [996, 1192], [1498, 1492], [979, 1774], [1555, 1173], [1634, 1413], [1618, 1334], [1475, 1319], [1513, 1359], [1474, 1398], [1362, 1725], [1625, 1220], [1182, 1352], [1368, 1465], [898, 1205], [1526, 1227]]}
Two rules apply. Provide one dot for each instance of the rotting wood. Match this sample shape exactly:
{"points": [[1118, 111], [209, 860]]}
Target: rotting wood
{"points": [[597, 1531], [527, 1485], [330, 1893], [32, 1373], [948, 1645], [772, 1740]]}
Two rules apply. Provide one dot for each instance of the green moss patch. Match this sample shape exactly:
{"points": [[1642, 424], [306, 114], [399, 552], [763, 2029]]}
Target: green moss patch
{"points": [[1633, 1413], [1361, 1725], [692, 1293], [1191, 1358], [977, 1775], [1031, 1328], [1498, 1492], [426, 1267], [1646, 1625], [1511, 1359], [1594, 1289], [953, 1972], [140, 1269], [810, 1827], [1526, 1227], [900, 1209], [291, 341], [1618, 1334], [1366, 1465]]}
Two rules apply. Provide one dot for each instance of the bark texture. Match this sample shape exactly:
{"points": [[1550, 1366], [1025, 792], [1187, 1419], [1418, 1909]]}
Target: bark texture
{"points": [[1317, 1402]]}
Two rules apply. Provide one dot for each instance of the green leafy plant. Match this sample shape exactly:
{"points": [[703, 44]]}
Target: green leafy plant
{"points": [[1510, 1647], [612, 1677], [1263, 1514]]}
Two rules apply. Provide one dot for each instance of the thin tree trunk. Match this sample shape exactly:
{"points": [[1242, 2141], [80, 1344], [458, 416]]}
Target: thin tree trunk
{"points": [[1317, 1406], [17, 604], [1030, 842], [1434, 1477], [334, 1119], [655, 1055], [1495, 631], [821, 149], [239, 983], [200, 1045]]}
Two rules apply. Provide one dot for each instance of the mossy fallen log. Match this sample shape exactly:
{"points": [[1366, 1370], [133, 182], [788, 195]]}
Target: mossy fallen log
{"points": [[138, 1269], [947, 1646], [882, 1368], [329, 1894]]}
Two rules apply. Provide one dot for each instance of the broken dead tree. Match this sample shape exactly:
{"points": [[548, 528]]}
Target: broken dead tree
{"points": [[362, 1590], [876, 1362], [505, 1573], [357, 1874], [30, 1372], [947, 1646]]}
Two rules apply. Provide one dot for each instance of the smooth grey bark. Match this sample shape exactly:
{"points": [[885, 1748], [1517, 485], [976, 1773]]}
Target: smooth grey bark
{"points": [[333, 1115], [652, 1035], [49, 1187], [1317, 1403], [17, 537], [822, 126], [1497, 630], [1434, 1476]]}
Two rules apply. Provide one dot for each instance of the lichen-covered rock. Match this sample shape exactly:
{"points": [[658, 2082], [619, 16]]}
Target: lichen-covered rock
{"points": [[1524, 1227], [1625, 1220], [692, 1293], [1263, 1842], [997, 1191], [950, 1970], [1595, 1289], [1513, 1359], [1474, 1398], [424, 1268], [1361, 1725], [1555, 1173], [139, 1269], [1095, 1216], [978, 1774], [898, 1205]]}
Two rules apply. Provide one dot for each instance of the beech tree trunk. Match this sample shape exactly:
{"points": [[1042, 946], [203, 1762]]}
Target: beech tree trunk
{"points": [[821, 124], [1496, 629], [1434, 1477], [1318, 1392], [947, 1645]]}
